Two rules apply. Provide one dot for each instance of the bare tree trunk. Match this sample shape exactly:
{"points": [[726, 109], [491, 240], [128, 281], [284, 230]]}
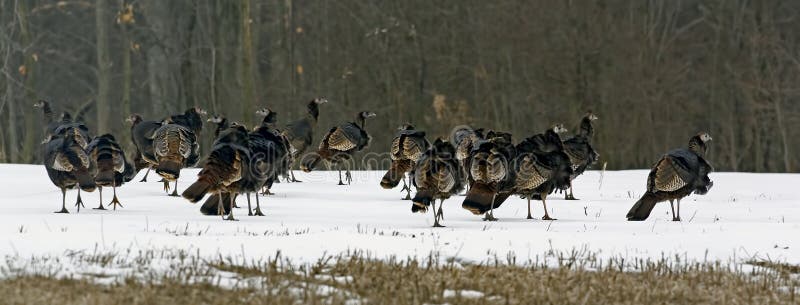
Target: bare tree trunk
{"points": [[248, 63], [787, 165], [31, 131], [103, 67], [8, 148], [127, 73], [161, 86]]}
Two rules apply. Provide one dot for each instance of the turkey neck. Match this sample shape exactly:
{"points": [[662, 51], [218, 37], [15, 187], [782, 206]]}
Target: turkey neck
{"points": [[363, 123], [313, 111], [270, 120], [221, 126], [196, 122], [587, 130], [48, 112], [697, 146]]}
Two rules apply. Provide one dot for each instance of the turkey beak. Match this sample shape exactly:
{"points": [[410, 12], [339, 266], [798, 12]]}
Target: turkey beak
{"points": [[371, 114]]}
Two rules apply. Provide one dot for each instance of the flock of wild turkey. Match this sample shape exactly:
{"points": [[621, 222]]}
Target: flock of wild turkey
{"points": [[243, 161]]}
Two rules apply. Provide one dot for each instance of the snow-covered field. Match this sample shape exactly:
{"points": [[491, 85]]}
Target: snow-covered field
{"points": [[745, 216]]}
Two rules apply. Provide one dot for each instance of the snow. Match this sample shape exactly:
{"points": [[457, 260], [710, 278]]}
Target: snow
{"points": [[467, 294], [745, 216]]}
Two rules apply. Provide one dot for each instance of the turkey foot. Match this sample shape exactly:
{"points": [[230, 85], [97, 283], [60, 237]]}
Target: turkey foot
{"points": [[174, 191], [79, 202], [144, 179], [114, 201]]}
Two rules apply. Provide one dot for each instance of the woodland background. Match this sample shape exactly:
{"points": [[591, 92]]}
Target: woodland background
{"points": [[655, 72]]}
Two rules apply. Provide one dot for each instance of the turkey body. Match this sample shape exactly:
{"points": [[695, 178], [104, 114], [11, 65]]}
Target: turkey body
{"points": [[142, 134], [490, 176], [538, 173], [340, 143], [113, 169], [67, 163], [175, 145], [407, 147], [580, 151], [437, 175], [269, 155], [675, 175], [223, 169], [300, 133]]}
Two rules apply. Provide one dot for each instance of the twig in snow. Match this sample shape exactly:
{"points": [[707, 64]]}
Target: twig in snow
{"points": [[602, 174], [692, 218]]}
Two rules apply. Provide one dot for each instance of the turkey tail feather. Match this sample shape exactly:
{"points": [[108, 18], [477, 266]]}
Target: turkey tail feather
{"points": [[169, 169], [642, 208], [209, 207], [479, 199], [421, 201], [197, 190], [395, 173], [85, 181], [310, 162]]}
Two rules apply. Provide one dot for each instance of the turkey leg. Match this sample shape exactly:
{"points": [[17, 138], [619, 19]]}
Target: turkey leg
{"points": [[249, 209], [101, 207], [175, 191], [529, 207], [63, 201], [406, 188], [230, 214], [258, 208], [544, 203], [490, 214]]}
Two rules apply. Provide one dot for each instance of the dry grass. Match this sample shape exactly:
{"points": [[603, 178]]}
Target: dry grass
{"points": [[356, 279]]}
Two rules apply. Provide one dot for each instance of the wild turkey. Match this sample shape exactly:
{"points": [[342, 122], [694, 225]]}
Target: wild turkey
{"points": [[462, 138], [301, 132], [142, 134], [282, 168], [437, 175], [676, 175], [580, 151], [68, 165], [268, 159], [537, 173], [223, 168], [407, 147], [221, 122], [340, 144], [175, 145], [113, 169], [489, 168]]}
